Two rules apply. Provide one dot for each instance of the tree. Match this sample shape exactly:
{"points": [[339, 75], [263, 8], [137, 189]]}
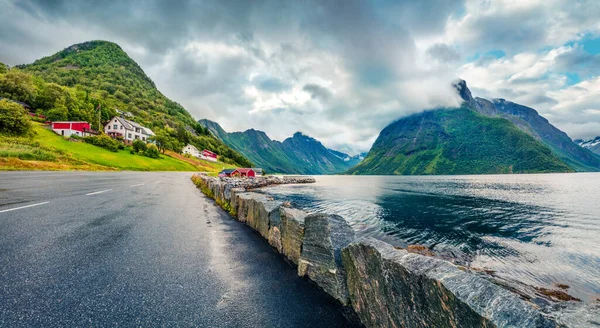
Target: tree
{"points": [[17, 85], [50, 96], [164, 141], [13, 119], [3, 68], [58, 113], [152, 151], [139, 146]]}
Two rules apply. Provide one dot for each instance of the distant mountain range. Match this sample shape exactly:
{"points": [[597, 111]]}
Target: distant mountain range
{"points": [[299, 154], [591, 144], [480, 137]]}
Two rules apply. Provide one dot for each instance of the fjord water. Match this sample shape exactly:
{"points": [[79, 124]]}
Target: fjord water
{"points": [[540, 230]]}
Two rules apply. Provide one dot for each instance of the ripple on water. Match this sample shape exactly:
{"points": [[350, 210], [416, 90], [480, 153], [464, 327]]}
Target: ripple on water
{"points": [[535, 229]]}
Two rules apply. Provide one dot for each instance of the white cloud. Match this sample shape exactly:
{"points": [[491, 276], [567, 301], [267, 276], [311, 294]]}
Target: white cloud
{"points": [[339, 73]]}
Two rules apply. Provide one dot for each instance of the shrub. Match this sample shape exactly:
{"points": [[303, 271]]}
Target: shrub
{"points": [[139, 146], [14, 120], [103, 141], [152, 151]]}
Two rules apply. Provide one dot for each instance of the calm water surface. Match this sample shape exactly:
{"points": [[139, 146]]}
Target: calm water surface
{"points": [[536, 229]]}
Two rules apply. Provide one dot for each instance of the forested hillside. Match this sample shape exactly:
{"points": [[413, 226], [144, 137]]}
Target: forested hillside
{"points": [[456, 141], [73, 83], [299, 154]]}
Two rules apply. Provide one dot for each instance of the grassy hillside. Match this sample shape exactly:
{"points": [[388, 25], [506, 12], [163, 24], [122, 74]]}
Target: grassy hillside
{"points": [[73, 83], [529, 120], [457, 141], [48, 151]]}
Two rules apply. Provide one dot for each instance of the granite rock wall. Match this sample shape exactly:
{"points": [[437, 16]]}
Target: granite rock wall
{"points": [[385, 286]]}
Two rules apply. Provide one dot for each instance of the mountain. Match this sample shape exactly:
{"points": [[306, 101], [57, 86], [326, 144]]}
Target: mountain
{"points": [[72, 83], [299, 154], [531, 122], [591, 144], [459, 141]]}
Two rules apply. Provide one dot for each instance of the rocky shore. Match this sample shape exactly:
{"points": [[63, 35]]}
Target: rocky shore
{"points": [[385, 286], [266, 181]]}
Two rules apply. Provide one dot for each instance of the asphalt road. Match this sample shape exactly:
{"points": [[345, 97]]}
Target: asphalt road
{"points": [[140, 249]]}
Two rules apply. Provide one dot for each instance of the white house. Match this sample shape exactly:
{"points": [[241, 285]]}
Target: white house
{"points": [[191, 150], [206, 155], [129, 130]]}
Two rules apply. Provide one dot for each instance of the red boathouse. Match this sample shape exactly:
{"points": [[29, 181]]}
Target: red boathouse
{"points": [[246, 173]]}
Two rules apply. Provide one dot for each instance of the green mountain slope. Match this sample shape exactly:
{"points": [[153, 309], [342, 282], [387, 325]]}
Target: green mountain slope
{"points": [[70, 85], [528, 120], [298, 154], [456, 141]]}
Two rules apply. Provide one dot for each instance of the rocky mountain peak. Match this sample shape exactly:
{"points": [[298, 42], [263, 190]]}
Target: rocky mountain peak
{"points": [[462, 89]]}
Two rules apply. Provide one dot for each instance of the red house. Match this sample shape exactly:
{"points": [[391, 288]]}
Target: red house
{"points": [[68, 129], [245, 173], [208, 155]]}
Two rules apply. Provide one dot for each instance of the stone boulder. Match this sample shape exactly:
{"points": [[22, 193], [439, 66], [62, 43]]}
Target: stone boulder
{"points": [[394, 288], [324, 237], [292, 232], [241, 205], [261, 210], [233, 200]]}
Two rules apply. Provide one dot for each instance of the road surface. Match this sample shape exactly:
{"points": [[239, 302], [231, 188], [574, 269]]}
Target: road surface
{"points": [[140, 249]]}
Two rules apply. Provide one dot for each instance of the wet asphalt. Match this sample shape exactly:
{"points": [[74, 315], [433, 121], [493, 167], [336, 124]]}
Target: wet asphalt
{"points": [[140, 250]]}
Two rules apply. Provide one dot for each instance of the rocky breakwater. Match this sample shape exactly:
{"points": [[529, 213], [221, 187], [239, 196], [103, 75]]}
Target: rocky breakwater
{"points": [[385, 286]]}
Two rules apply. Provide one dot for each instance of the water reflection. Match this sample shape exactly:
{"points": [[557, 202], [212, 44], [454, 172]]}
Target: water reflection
{"points": [[536, 229]]}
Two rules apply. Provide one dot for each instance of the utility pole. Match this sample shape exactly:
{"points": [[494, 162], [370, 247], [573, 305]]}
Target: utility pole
{"points": [[99, 118]]}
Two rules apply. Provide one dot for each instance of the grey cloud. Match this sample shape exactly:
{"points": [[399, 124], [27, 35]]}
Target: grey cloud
{"points": [[530, 27], [317, 92], [443, 53], [511, 93], [579, 61], [365, 51], [269, 83], [542, 99]]}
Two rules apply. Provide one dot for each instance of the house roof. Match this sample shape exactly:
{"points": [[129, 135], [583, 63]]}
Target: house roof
{"points": [[70, 122], [245, 170], [130, 125], [228, 171], [192, 147], [257, 169]]}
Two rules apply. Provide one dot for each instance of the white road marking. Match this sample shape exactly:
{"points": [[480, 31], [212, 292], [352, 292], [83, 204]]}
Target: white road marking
{"points": [[26, 206], [98, 192], [137, 185]]}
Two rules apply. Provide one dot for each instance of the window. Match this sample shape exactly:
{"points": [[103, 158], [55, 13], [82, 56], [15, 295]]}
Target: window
{"points": [[137, 130], [144, 138], [121, 127], [137, 137], [129, 135], [115, 127]]}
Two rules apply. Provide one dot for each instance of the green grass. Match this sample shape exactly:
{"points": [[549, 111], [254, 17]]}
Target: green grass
{"points": [[121, 159], [48, 151]]}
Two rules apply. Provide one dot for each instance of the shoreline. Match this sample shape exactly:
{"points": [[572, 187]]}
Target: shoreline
{"points": [[347, 280]]}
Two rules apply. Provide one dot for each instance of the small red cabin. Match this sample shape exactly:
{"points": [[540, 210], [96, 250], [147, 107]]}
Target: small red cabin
{"points": [[246, 173]]}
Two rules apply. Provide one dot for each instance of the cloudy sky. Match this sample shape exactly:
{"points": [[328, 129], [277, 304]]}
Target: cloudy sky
{"points": [[339, 71]]}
